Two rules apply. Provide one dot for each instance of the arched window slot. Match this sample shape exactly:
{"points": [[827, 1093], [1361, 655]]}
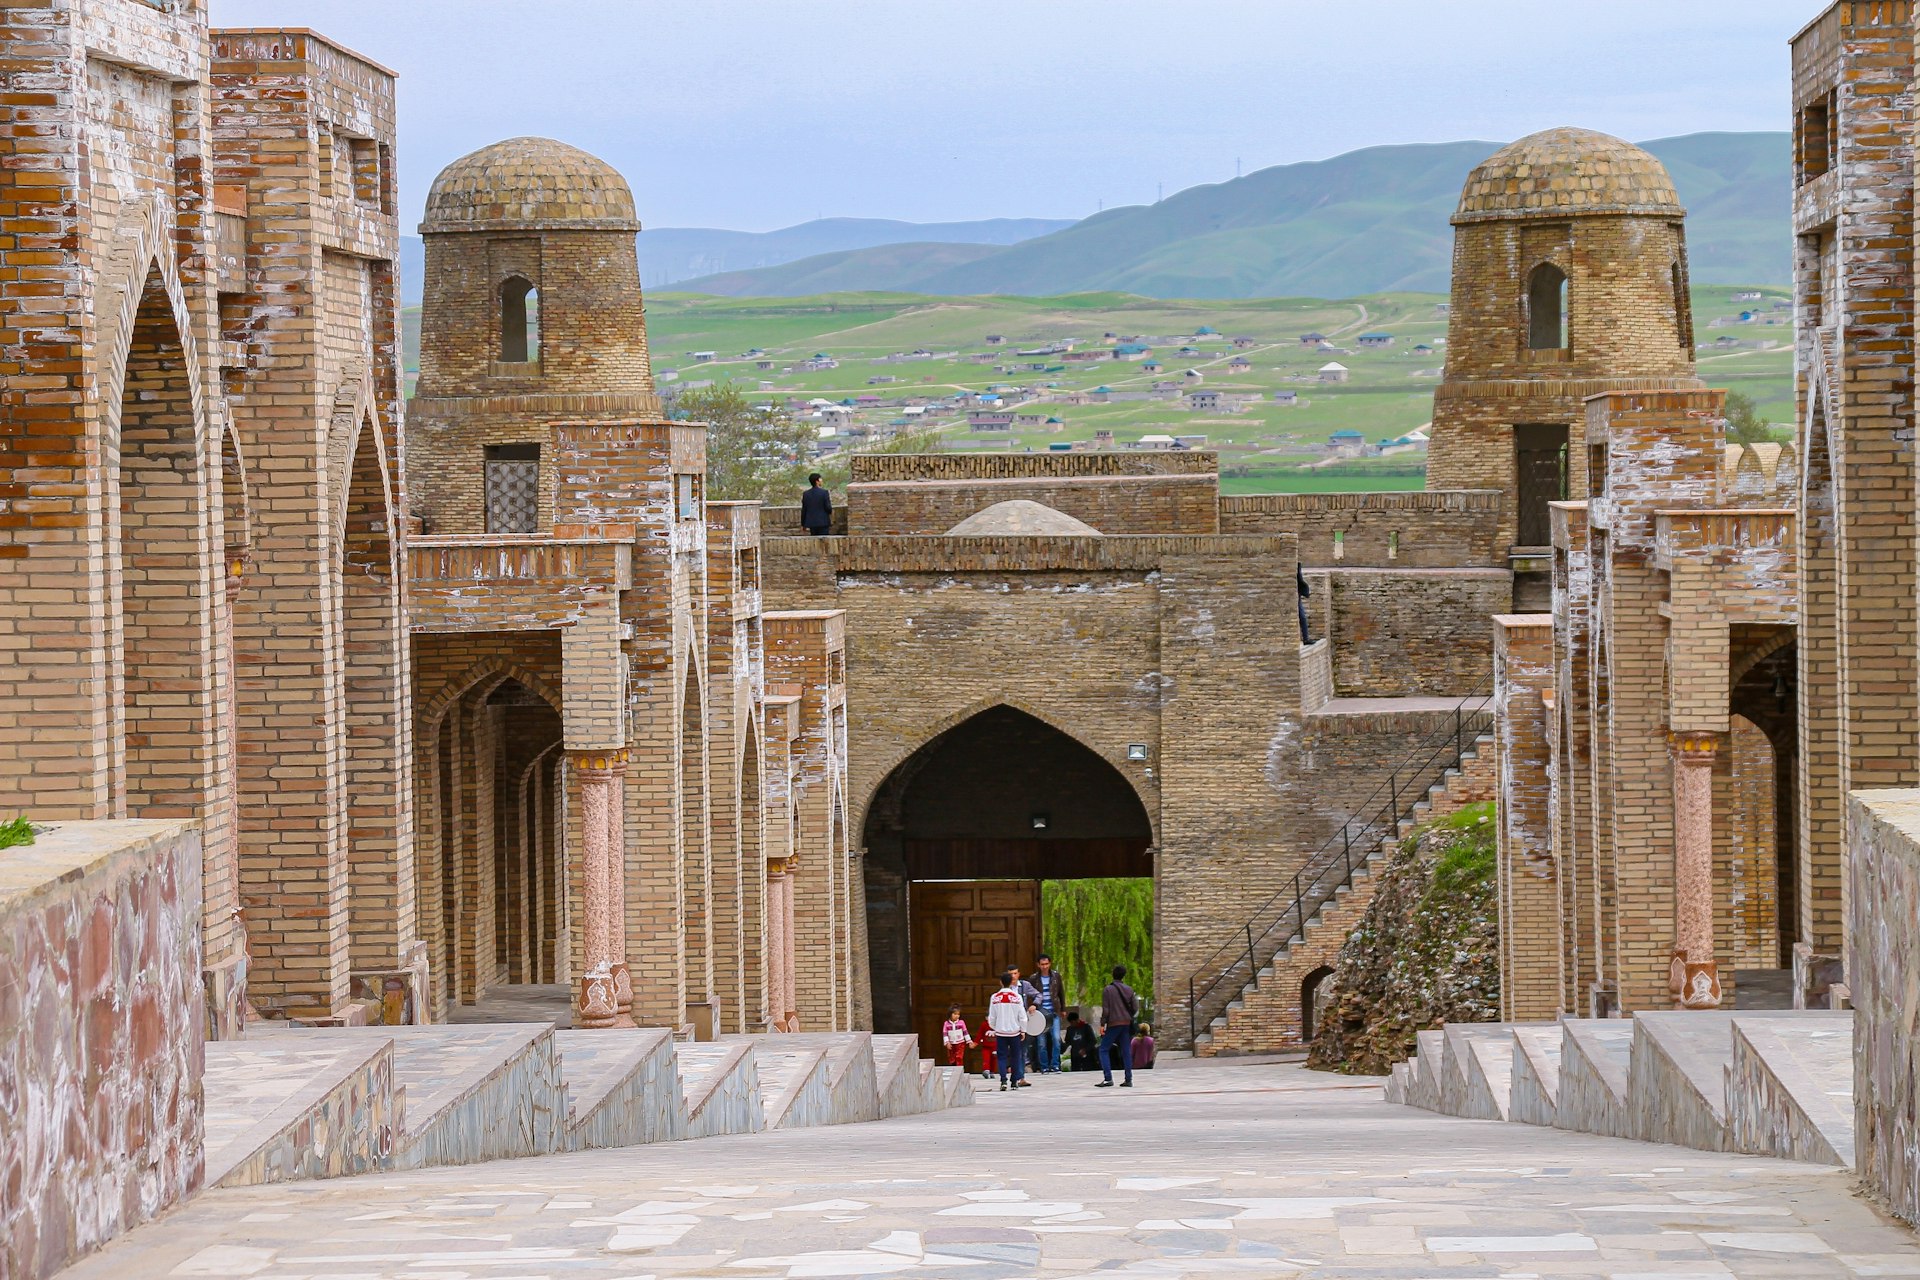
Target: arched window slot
{"points": [[1547, 308], [519, 321], [1682, 308]]}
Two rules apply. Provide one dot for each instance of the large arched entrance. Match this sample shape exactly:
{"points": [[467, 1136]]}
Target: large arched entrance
{"points": [[960, 837]]}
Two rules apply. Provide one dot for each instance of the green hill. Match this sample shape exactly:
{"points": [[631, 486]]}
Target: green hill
{"points": [[1369, 221]]}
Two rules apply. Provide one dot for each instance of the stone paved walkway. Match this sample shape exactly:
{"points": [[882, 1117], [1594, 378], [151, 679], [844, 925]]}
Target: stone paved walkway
{"points": [[1211, 1171]]}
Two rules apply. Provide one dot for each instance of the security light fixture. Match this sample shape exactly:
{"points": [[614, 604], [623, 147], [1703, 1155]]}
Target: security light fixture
{"points": [[1039, 821], [1136, 751]]}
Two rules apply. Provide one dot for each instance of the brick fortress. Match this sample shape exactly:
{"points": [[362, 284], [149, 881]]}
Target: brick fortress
{"points": [[483, 700]]}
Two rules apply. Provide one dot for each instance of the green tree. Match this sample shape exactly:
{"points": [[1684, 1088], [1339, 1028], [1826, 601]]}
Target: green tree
{"points": [[757, 450], [1089, 926], [1744, 423], [754, 450]]}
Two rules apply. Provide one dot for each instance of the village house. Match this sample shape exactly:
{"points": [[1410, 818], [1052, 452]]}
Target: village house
{"points": [[1333, 371]]}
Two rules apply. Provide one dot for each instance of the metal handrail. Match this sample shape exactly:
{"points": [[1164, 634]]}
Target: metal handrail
{"points": [[1329, 868]]}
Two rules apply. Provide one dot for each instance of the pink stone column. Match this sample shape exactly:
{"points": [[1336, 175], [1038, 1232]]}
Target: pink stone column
{"points": [[617, 891], [598, 793], [1695, 974]]}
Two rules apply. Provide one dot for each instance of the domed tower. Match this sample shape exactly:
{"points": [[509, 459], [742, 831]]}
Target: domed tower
{"points": [[1569, 279], [532, 313]]}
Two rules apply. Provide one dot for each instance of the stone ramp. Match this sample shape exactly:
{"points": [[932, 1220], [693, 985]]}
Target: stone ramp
{"points": [[623, 1087], [1594, 1058], [896, 1070], [796, 1091], [1790, 1087], [289, 1103], [1678, 1071], [1534, 1089], [280, 1109], [1776, 1083], [722, 1088]]}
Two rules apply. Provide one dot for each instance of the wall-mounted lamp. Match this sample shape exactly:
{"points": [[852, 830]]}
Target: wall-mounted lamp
{"points": [[1039, 821], [1136, 751]]}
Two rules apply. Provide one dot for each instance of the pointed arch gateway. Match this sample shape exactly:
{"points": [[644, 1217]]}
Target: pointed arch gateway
{"points": [[959, 837]]}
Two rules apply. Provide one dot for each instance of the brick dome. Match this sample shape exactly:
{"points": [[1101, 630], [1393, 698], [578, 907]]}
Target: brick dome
{"points": [[1564, 172], [530, 184], [1019, 516]]}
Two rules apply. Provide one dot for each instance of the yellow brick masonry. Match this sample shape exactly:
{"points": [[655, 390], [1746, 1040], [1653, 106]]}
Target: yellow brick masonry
{"points": [[1530, 948], [1859, 679], [326, 858]]}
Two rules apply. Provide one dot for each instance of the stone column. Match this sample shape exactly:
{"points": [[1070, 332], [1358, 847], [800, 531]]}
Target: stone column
{"points": [[617, 887], [598, 796], [1695, 976]]}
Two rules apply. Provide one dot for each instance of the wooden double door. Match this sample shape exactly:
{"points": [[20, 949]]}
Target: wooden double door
{"points": [[961, 935]]}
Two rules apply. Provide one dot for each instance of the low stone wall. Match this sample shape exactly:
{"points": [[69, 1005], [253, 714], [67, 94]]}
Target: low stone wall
{"points": [[1883, 972], [1110, 503], [102, 1036], [1437, 529]]}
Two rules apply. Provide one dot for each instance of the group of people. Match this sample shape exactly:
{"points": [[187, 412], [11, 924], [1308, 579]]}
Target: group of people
{"points": [[1028, 1023]]}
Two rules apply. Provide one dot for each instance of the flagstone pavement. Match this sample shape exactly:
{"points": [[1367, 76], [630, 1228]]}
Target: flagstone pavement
{"points": [[1214, 1170]]}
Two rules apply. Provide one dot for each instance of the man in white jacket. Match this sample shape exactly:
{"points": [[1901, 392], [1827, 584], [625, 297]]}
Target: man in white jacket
{"points": [[1006, 1018]]}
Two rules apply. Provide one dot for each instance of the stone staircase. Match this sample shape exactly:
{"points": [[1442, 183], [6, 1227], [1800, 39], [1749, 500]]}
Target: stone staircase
{"points": [[1267, 1016], [286, 1103], [1772, 1083]]}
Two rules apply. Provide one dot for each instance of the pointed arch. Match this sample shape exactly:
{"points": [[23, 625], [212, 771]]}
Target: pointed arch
{"points": [[861, 811], [494, 671]]}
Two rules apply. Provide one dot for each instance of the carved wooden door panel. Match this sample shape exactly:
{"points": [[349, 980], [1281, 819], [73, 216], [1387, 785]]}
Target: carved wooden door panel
{"points": [[961, 935]]}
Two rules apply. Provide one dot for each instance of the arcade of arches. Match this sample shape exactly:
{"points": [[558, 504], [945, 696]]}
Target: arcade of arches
{"points": [[958, 838]]}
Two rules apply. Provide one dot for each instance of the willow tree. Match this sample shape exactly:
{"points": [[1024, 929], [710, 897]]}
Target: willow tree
{"points": [[1089, 926]]}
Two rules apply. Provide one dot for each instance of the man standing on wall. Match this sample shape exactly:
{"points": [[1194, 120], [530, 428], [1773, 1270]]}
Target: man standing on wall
{"points": [[1053, 1000], [1117, 1007], [1006, 1013], [816, 508]]}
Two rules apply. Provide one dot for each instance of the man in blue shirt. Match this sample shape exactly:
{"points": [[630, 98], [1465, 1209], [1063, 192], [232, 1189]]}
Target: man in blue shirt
{"points": [[1053, 1003]]}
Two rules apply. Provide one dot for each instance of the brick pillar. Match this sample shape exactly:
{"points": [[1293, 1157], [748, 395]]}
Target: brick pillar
{"points": [[598, 1003], [617, 890], [1696, 975]]}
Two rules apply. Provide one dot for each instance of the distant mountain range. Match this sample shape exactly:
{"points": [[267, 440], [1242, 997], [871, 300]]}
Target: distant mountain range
{"points": [[672, 254], [1364, 222]]}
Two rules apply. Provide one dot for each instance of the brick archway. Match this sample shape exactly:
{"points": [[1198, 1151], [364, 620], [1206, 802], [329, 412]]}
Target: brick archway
{"points": [[1000, 798]]}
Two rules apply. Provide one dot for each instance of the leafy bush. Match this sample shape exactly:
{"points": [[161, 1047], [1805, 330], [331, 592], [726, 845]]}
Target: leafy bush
{"points": [[1426, 953], [18, 831]]}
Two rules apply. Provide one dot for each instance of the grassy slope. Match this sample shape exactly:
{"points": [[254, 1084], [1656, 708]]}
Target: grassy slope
{"points": [[1391, 391], [1370, 221]]}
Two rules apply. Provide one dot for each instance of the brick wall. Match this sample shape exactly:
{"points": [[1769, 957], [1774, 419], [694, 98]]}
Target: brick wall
{"points": [[1413, 632], [1376, 530], [1111, 504], [1530, 979], [102, 1028], [1859, 677]]}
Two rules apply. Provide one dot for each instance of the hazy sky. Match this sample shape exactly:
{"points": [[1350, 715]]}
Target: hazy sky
{"points": [[755, 114]]}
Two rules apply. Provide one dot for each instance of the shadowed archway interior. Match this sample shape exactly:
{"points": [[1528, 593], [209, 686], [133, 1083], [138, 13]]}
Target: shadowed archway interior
{"points": [[1002, 796]]}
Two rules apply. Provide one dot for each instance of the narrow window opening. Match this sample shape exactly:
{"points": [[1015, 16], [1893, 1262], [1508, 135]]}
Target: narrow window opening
{"points": [[1339, 544], [1814, 142], [1682, 308], [1547, 308], [687, 491], [1393, 545], [1596, 469], [513, 488], [519, 321]]}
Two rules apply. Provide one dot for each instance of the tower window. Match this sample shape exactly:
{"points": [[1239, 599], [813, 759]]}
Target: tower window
{"points": [[513, 488], [519, 321], [1546, 308], [1682, 308]]}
